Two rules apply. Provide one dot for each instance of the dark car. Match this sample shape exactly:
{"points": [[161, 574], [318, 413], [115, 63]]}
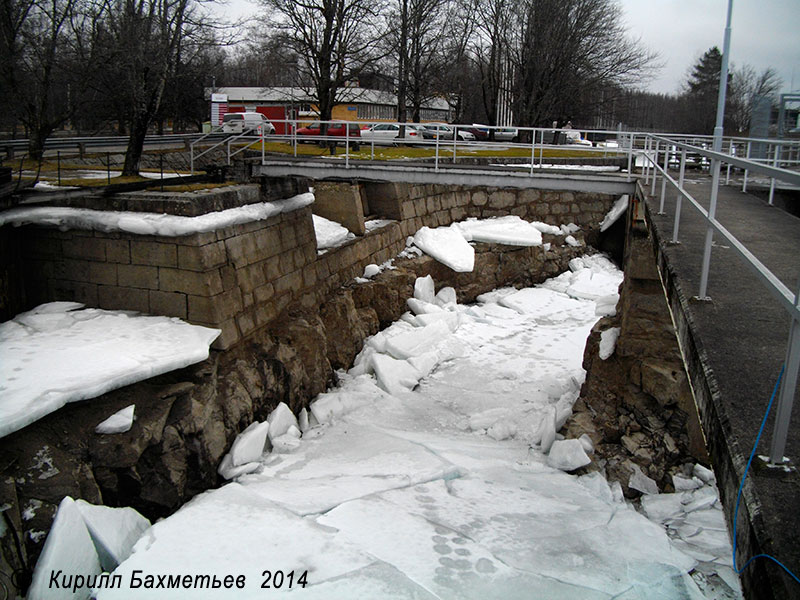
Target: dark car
{"points": [[480, 134], [336, 129]]}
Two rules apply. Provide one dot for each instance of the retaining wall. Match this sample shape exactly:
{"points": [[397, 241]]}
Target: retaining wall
{"points": [[240, 278]]}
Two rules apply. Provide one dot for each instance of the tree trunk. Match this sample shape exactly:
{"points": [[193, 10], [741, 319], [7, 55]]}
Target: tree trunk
{"points": [[133, 154]]}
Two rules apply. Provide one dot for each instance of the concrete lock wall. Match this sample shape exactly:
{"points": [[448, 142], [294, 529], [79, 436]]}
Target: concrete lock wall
{"points": [[240, 278]]}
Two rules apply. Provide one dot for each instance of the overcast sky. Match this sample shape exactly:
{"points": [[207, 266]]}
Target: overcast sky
{"points": [[765, 33]]}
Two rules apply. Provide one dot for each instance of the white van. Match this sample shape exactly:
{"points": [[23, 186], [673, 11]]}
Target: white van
{"points": [[238, 122]]}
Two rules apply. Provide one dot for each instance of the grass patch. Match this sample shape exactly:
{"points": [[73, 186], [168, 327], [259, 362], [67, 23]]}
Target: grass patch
{"points": [[366, 151]]}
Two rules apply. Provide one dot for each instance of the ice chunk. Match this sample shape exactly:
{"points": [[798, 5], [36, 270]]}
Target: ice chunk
{"points": [[606, 306], [571, 241], [229, 471], [587, 443], [394, 376], [330, 233], [485, 419], [608, 342], [448, 246], [286, 443], [662, 507], [302, 420], [249, 444], [511, 230], [502, 430], [567, 455], [613, 215], [445, 296], [120, 422], [682, 484], [68, 549], [598, 486], [424, 289], [704, 474], [641, 482], [114, 531], [547, 430], [64, 356], [425, 363], [450, 318], [371, 270], [417, 341], [280, 420], [419, 307], [563, 413]]}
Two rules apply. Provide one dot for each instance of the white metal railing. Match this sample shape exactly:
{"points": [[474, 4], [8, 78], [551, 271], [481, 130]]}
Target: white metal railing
{"points": [[784, 154], [446, 146]]}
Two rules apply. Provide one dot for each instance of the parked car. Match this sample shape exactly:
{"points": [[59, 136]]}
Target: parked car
{"points": [[432, 131], [506, 134], [480, 134], [239, 122], [335, 129], [388, 133]]}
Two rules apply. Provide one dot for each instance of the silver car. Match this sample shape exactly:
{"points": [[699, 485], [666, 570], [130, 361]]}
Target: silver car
{"points": [[441, 131], [388, 134]]}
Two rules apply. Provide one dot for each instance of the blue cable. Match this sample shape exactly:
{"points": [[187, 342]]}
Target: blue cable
{"points": [[741, 485]]}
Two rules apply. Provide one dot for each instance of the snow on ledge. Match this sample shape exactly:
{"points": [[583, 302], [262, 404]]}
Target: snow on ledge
{"points": [[142, 223], [57, 353]]}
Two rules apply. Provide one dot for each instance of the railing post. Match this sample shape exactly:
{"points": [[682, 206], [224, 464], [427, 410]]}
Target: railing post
{"points": [[712, 211], [728, 170], [679, 201], [664, 181], [788, 387], [772, 180], [346, 145], [436, 160], [630, 156], [646, 160], [455, 142], [655, 172], [533, 149], [744, 183], [294, 136]]}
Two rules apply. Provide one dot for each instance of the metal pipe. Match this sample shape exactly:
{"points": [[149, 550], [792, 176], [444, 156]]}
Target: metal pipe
{"points": [[787, 392], [772, 180], [655, 173], [712, 211], [747, 157], [723, 81], [677, 223], [664, 182]]}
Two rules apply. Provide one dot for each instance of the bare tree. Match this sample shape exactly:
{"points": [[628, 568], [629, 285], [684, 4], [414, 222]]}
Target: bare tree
{"points": [[491, 53], [334, 40], [139, 44], [37, 53], [566, 49], [746, 86]]}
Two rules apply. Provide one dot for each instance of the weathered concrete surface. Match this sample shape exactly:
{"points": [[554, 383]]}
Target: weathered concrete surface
{"points": [[734, 346]]}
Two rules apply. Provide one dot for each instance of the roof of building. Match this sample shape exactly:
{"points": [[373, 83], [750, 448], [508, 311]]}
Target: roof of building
{"points": [[354, 95]]}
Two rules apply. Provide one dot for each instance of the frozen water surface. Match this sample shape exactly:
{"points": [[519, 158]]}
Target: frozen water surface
{"points": [[426, 479]]}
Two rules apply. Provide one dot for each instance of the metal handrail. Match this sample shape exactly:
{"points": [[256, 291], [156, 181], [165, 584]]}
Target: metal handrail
{"points": [[789, 301]]}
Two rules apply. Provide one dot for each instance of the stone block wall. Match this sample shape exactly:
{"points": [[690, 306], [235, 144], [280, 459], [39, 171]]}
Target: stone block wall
{"points": [[237, 278], [240, 278], [436, 205]]}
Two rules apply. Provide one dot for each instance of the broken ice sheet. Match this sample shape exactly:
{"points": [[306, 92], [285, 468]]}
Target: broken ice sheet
{"points": [[235, 531]]}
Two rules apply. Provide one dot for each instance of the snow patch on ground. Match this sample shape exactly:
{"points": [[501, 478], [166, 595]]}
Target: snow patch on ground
{"points": [[60, 352], [150, 223]]}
